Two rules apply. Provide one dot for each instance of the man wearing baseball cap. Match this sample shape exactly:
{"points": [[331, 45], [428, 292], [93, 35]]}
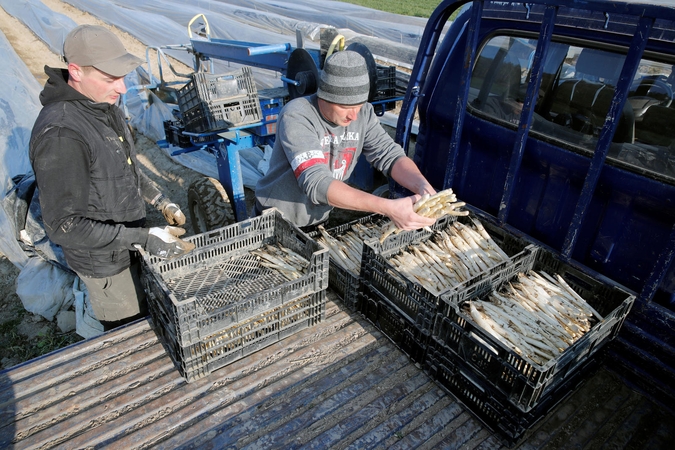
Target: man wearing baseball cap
{"points": [[91, 191], [319, 141]]}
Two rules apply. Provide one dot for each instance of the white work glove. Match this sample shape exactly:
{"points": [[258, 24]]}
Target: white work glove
{"points": [[171, 211], [164, 242], [173, 214]]}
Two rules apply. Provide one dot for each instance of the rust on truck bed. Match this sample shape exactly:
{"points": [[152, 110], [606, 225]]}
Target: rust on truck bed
{"points": [[339, 384]]}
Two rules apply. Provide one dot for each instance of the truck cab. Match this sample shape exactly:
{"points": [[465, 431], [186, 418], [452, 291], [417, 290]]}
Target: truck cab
{"points": [[555, 120]]}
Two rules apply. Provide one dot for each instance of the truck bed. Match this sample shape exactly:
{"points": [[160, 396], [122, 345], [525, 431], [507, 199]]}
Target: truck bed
{"points": [[340, 384]]}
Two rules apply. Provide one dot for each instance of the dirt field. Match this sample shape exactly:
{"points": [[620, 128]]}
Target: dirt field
{"points": [[24, 335]]}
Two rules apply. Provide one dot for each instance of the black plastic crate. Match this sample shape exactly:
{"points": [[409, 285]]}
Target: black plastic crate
{"points": [[412, 338], [490, 405], [210, 102], [410, 296], [386, 82], [344, 282], [523, 381], [240, 339], [173, 131], [221, 283]]}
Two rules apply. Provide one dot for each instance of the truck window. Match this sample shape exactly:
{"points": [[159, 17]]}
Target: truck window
{"points": [[577, 87]]}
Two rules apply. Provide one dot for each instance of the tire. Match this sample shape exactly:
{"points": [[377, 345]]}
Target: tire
{"points": [[209, 205], [382, 191]]}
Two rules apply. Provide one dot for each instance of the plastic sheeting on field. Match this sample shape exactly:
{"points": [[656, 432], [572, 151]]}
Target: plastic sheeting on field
{"points": [[50, 27], [19, 106]]}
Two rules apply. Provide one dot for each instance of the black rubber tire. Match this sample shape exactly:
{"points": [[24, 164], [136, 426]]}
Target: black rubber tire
{"points": [[382, 191], [209, 205]]}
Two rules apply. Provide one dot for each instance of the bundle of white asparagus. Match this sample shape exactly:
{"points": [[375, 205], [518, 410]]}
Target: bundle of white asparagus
{"points": [[537, 316], [347, 248], [440, 204], [283, 259], [449, 257]]}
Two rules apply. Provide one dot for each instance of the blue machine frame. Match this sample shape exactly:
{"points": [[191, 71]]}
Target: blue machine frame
{"points": [[610, 222]]}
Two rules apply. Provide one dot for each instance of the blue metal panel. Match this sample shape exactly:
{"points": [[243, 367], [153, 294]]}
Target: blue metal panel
{"points": [[272, 57], [460, 105]]}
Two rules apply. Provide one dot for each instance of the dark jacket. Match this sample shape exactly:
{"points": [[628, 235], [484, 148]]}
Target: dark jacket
{"points": [[91, 191]]}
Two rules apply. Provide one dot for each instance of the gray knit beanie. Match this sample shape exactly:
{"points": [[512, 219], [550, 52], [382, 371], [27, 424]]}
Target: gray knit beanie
{"points": [[344, 79]]}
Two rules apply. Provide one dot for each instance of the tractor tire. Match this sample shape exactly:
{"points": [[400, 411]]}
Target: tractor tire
{"points": [[209, 205], [382, 191]]}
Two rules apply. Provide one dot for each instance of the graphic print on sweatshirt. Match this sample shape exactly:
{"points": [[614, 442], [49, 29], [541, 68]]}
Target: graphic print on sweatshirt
{"points": [[343, 147]]}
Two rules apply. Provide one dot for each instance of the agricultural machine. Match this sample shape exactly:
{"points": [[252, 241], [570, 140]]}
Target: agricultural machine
{"points": [[225, 113]]}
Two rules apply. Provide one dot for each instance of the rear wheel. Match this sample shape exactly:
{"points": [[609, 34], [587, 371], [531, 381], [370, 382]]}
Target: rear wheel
{"points": [[382, 191], [209, 205]]}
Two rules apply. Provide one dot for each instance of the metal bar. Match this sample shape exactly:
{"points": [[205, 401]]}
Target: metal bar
{"points": [[239, 52], [267, 49], [464, 84], [536, 73], [630, 67], [432, 34]]}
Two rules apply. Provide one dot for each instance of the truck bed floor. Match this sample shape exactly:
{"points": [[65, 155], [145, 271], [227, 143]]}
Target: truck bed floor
{"points": [[341, 384]]}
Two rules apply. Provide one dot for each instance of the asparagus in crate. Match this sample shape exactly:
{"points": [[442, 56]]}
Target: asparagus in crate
{"points": [[450, 257], [435, 206], [280, 258], [347, 248], [536, 315]]}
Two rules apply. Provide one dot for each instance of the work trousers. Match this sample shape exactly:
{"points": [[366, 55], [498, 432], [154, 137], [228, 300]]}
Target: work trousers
{"points": [[118, 299]]}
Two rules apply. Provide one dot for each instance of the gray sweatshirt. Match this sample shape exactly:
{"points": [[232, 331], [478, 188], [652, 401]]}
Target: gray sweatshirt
{"points": [[310, 152]]}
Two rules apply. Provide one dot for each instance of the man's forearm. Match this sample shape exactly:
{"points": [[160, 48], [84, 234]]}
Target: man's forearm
{"points": [[341, 195], [406, 173]]}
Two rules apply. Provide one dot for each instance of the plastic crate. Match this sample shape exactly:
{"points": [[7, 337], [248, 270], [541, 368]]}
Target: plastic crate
{"points": [[271, 102], [410, 297], [241, 339], [212, 102], [524, 382], [173, 131], [221, 283], [345, 283], [411, 338], [490, 405], [386, 82]]}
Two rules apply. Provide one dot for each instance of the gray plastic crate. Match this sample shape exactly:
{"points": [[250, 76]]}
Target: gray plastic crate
{"points": [[221, 283], [224, 347], [210, 102]]}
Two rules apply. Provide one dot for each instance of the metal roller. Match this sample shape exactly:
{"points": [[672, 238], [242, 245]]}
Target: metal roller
{"points": [[302, 69], [370, 63]]}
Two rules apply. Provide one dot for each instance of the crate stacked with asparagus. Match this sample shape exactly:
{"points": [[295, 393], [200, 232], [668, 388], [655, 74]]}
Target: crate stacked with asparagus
{"points": [[410, 270], [245, 286], [530, 330], [536, 315], [345, 246]]}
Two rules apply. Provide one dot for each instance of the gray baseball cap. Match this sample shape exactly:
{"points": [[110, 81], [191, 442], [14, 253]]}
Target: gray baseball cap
{"points": [[93, 45]]}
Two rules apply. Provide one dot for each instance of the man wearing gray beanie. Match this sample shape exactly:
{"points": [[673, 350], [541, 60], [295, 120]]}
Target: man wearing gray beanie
{"points": [[318, 143]]}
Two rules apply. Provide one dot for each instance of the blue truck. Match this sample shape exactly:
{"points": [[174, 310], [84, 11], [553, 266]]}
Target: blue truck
{"points": [[553, 121]]}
